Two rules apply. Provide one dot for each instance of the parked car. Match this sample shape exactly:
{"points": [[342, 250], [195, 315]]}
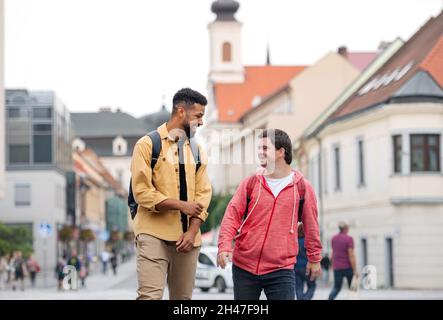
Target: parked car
{"points": [[208, 275]]}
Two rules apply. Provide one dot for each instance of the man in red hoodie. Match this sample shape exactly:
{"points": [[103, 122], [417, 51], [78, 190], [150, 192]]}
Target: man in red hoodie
{"points": [[259, 229]]}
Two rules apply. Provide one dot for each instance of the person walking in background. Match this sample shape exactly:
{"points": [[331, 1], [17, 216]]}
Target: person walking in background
{"points": [[10, 269], [114, 261], [105, 256], [343, 259], [83, 270], [301, 278], [74, 260], [59, 273], [33, 269], [3, 272], [19, 266]]}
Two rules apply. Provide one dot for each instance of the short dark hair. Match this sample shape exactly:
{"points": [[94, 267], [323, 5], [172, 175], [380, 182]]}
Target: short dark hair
{"points": [[279, 139], [188, 97]]}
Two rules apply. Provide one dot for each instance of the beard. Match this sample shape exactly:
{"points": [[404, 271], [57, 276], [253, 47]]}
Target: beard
{"points": [[187, 128]]}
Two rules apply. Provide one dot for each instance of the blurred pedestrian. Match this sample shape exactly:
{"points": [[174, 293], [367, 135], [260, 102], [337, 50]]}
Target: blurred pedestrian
{"points": [[3, 272], [74, 260], [33, 269], [114, 261], [10, 268], [83, 270], [343, 259], [19, 266], [59, 273], [301, 278], [105, 260]]}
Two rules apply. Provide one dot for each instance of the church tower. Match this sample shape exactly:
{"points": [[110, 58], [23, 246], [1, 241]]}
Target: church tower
{"points": [[225, 44]]}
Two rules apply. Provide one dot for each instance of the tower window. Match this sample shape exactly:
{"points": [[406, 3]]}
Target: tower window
{"points": [[227, 52]]}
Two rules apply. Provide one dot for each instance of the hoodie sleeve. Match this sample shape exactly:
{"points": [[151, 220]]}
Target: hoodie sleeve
{"points": [[310, 225], [232, 218]]}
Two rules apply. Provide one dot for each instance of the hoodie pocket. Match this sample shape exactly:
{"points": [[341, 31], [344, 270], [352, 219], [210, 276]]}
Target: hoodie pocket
{"points": [[240, 241]]}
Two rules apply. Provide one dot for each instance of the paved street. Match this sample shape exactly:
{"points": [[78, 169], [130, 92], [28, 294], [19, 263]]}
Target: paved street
{"points": [[123, 287]]}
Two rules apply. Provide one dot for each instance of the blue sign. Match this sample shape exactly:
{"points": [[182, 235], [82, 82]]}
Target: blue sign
{"points": [[45, 229]]}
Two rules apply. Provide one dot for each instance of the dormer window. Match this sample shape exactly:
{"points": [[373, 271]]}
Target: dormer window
{"points": [[78, 145], [119, 146]]}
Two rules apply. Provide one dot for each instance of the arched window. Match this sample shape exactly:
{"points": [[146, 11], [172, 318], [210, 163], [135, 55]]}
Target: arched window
{"points": [[227, 52], [119, 146], [78, 145]]}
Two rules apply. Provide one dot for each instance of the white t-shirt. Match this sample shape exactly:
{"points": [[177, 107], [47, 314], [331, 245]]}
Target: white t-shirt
{"points": [[277, 185]]}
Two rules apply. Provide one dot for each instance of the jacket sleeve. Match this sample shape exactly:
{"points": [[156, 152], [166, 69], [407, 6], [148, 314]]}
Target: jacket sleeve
{"points": [[310, 225], [203, 188], [232, 218], [145, 194]]}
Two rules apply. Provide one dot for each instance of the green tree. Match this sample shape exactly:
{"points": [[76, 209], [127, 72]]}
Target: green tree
{"points": [[15, 238]]}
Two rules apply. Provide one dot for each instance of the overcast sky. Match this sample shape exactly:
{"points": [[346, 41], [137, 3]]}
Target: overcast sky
{"points": [[132, 53]]}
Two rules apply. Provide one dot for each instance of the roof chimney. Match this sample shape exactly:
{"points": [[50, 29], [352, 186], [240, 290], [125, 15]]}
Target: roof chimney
{"points": [[104, 109], [383, 45], [343, 51]]}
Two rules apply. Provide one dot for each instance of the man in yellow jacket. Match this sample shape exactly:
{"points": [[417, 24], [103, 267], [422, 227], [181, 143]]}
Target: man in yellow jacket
{"points": [[172, 201]]}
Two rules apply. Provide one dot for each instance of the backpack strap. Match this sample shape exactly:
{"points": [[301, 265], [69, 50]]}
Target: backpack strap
{"points": [[195, 153], [156, 147], [249, 188], [301, 191]]}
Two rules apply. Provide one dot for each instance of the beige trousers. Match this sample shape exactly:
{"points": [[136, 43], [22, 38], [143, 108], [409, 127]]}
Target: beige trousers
{"points": [[158, 263]]}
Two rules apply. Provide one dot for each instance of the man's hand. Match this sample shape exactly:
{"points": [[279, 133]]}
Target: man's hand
{"points": [[223, 258], [192, 209], [186, 241], [314, 269]]}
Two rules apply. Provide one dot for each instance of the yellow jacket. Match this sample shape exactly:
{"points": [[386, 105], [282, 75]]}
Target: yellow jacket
{"points": [[152, 187]]}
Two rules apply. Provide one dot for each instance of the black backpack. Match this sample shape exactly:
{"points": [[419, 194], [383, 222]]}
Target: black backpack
{"points": [[156, 149]]}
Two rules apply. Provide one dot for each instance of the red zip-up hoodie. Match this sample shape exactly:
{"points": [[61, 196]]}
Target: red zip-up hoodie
{"points": [[266, 240]]}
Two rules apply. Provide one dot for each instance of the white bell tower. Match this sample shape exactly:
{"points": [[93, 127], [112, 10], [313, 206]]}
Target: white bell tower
{"points": [[225, 44]]}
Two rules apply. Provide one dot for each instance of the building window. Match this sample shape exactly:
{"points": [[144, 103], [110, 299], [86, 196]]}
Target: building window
{"points": [[78, 145], [119, 146], [22, 195], [227, 52], [42, 143], [397, 143], [42, 113], [337, 168], [425, 152], [17, 113], [19, 154], [361, 168]]}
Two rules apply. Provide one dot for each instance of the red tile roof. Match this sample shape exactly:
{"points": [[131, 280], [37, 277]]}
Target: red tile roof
{"points": [[234, 99], [423, 51], [433, 63]]}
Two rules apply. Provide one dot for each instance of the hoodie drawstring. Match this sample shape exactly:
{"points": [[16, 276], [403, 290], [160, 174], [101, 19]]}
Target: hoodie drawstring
{"points": [[249, 213], [293, 210]]}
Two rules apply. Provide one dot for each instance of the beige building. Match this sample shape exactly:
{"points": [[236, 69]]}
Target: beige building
{"points": [[376, 162], [291, 108]]}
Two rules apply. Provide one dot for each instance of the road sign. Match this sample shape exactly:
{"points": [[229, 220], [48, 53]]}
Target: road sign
{"points": [[45, 229]]}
